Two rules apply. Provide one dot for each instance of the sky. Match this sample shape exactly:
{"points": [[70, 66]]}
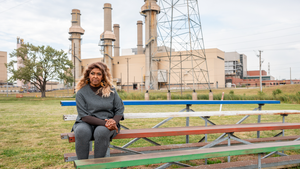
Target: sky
{"points": [[272, 26]]}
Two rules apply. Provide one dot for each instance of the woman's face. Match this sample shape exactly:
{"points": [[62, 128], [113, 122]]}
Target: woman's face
{"points": [[95, 77]]}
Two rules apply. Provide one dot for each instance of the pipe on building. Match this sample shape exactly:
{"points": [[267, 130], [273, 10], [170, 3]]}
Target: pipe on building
{"points": [[117, 42], [139, 37]]}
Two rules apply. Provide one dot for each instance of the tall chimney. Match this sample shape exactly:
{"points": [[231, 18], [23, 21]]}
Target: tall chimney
{"points": [[107, 17], [139, 37], [107, 37], [150, 9], [117, 42], [19, 60], [76, 31]]}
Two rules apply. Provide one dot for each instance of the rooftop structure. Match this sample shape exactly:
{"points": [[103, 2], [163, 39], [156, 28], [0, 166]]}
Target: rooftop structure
{"points": [[235, 64]]}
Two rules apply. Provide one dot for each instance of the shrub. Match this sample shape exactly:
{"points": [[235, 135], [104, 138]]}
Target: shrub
{"points": [[175, 96], [188, 97], [284, 98], [231, 92], [260, 93], [152, 97], [294, 98], [164, 97], [278, 91], [123, 96], [275, 92], [217, 96], [202, 97], [213, 161]]}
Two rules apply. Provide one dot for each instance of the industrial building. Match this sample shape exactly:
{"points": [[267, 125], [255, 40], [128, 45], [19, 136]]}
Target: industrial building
{"points": [[252, 80], [3, 69], [235, 64], [148, 66]]}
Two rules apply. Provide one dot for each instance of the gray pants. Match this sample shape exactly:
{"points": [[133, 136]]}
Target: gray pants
{"points": [[85, 132]]}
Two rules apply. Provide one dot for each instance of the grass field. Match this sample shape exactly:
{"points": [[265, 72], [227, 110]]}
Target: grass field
{"points": [[286, 90], [30, 129]]}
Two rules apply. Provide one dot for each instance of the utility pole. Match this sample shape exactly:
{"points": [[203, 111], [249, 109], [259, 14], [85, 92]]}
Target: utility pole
{"points": [[180, 74], [127, 74], [290, 75], [260, 80], [74, 67], [7, 85], [141, 78]]}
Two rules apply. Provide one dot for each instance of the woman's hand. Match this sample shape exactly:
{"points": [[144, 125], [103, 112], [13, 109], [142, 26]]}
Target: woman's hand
{"points": [[111, 125]]}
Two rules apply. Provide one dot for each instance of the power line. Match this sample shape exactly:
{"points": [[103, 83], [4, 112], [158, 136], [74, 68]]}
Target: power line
{"points": [[14, 6], [254, 34], [259, 39], [242, 51], [272, 66], [256, 26], [287, 63], [269, 45], [281, 49]]}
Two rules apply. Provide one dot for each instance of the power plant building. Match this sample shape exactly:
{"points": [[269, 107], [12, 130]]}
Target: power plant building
{"points": [[132, 68], [136, 70], [3, 69], [235, 64]]}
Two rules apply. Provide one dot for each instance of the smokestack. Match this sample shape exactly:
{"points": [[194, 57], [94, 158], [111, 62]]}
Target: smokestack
{"points": [[139, 37], [107, 17], [150, 9], [19, 60], [107, 37], [76, 31], [117, 42]]}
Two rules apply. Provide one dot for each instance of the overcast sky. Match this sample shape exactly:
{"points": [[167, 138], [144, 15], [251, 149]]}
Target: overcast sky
{"points": [[272, 26]]}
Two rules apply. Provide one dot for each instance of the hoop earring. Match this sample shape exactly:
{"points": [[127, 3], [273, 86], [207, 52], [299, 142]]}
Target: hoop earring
{"points": [[87, 81], [102, 83]]}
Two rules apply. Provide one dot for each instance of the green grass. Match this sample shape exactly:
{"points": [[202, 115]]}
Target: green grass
{"points": [[30, 129], [287, 94]]}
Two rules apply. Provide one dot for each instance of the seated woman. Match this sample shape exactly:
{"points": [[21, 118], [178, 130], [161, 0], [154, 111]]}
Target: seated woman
{"points": [[99, 110]]}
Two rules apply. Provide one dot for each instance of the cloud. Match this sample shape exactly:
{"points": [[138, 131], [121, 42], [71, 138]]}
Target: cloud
{"points": [[90, 50], [232, 25]]}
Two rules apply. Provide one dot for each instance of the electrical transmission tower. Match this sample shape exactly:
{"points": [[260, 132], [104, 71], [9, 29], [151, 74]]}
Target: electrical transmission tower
{"points": [[180, 34]]}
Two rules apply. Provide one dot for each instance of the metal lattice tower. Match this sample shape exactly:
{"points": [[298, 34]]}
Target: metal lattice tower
{"points": [[180, 33]]}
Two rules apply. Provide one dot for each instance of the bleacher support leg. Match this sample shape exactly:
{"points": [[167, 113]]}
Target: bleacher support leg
{"points": [[259, 161], [187, 122], [283, 121], [228, 158], [259, 119], [91, 145]]}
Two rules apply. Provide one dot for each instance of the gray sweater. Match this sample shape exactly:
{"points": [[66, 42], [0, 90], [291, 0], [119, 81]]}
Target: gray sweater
{"points": [[90, 104]]}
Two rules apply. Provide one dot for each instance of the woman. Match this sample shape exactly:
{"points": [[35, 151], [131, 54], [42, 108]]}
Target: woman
{"points": [[99, 110]]}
